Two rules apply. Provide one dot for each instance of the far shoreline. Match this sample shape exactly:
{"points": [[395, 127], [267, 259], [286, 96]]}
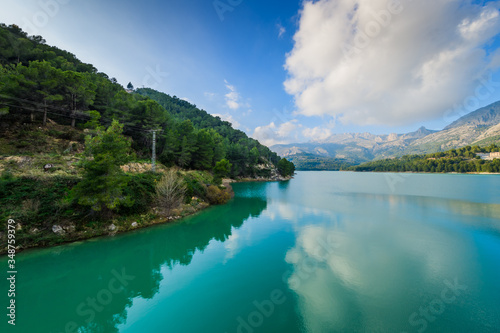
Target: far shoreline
{"points": [[408, 172]]}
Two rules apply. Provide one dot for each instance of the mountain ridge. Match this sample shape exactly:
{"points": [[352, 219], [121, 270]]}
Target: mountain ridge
{"points": [[488, 115], [478, 127]]}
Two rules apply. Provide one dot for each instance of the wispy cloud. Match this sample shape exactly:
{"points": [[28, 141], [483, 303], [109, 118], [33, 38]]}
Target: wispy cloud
{"points": [[281, 30], [210, 95], [232, 97], [369, 63]]}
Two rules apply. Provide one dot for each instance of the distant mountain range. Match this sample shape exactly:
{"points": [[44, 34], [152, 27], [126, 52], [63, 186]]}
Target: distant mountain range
{"points": [[481, 127]]}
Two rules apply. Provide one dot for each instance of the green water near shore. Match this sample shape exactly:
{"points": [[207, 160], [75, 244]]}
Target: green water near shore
{"points": [[324, 252]]}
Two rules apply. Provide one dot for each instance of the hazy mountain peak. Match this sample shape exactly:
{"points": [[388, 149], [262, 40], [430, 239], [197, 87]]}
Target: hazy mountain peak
{"points": [[487, 116], [421, 132]]}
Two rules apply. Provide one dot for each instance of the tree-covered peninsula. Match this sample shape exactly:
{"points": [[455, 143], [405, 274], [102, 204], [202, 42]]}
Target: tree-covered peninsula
{"points": [[469, 159]]}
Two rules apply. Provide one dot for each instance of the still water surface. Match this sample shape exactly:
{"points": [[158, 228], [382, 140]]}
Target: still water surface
{"points": [[325, 252]]}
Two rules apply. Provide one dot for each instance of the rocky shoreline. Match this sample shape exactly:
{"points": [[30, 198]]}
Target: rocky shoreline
{"points": [[67, 233]]}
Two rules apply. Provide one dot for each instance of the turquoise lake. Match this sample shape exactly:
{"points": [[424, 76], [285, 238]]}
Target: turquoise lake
{"points": [[324, 252]]}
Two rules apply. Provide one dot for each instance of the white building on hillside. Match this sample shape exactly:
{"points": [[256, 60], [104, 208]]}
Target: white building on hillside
{"points": [[489, 156]]}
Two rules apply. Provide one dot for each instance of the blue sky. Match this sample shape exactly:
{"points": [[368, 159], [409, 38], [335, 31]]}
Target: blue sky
{"points": [[288, 71]]}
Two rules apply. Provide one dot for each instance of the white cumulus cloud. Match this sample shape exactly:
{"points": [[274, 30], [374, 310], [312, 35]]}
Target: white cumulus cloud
{"points": [[273, 134], [317, 133], [389, 62], [229, 118]]}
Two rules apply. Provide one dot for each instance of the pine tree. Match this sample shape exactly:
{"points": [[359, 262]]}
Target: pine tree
{"points": [[185, 155], [102, 185], [205, 151]]}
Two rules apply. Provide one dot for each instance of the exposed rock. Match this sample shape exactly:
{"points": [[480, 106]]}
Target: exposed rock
{"points": [[392, 137], [190, 209], [57, 229], [136, 167], [20, 160], [47, 167], [134, 225], [112, 227], [70, 228]]}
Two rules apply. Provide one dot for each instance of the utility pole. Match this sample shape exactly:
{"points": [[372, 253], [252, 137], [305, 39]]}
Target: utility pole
{"points": [[44, 112], [153, 160]]}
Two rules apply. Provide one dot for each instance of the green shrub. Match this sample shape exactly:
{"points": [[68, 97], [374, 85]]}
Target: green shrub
{"points": [[6, 175], [216, 196], [35, 202], [194, 188], [54, 133], [141, 189], [22, 144], [266, 173]]}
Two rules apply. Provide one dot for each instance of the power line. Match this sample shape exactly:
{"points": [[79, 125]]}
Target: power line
{"points": [[132, 128], [36, 110], [80, 116], [66, 111], [38, 104], [77, 115]]}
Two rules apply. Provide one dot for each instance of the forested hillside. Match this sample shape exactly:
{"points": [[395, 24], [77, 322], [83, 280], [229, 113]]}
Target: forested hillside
{"points": [[40, 83], [243, 152], [312, 162], [75, 150]]}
